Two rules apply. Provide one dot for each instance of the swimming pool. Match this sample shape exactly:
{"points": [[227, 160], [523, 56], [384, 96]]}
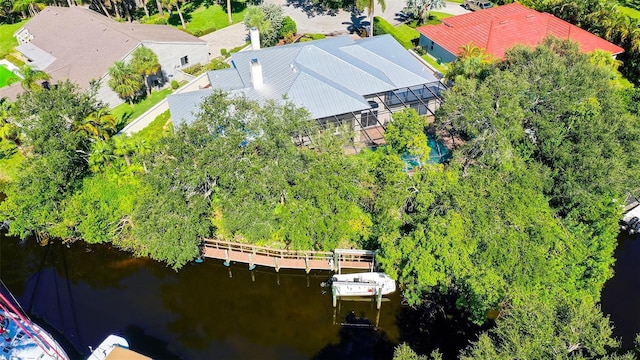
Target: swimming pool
{"points": [[439, 153]]}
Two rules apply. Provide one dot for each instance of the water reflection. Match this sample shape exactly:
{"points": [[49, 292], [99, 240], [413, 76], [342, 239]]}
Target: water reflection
{"points": [[204, 311], [621, 294]]}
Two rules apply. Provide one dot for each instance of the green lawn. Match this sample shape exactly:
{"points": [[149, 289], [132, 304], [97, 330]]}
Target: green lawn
{"points": [[433, 62], [128, 113], [155, 130], [5, 75], [204, 18], [7, 41], [632, 13], [9, 165], [435, 17]]}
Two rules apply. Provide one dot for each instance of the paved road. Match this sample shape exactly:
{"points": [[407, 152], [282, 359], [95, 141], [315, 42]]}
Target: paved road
{"points": [[311, 18]]}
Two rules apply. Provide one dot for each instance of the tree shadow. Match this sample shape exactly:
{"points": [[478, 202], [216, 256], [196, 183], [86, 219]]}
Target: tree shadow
{"points": [[313, 9], [147, 345], [359, 339], [358, 22], [402, 17], [438, 325]]}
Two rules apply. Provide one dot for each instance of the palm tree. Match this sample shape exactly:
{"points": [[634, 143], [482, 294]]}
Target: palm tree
{"points": [[30, 78], [419, 9], [145, 62], [229, 12], [100, 124], [159, 5], [124, 81], [370, 4], [169, 4], [123, 147], [32, 6], [101, 155]]}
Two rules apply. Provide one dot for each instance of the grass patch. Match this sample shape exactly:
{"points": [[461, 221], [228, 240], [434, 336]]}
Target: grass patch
{"points": [[156, 129], [404, 34], [630, 12], [204, 20], [7, 41], [455, 1], [125, 113], [5, 75], [10, 164], [433, 62], [435, 17]]}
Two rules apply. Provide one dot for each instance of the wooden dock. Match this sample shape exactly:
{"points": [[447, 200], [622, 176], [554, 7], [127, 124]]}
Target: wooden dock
{"points": [[288, 259]]}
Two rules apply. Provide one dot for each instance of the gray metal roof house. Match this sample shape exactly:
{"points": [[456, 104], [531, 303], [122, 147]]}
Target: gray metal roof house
{"points": [[339, 80], [79, 44]]}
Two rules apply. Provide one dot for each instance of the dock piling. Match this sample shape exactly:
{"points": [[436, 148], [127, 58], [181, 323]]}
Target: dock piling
{"points": [[251, 264], [227, 261]]}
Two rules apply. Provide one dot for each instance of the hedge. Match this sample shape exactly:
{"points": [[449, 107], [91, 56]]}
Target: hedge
{"points": [[402, 33]]}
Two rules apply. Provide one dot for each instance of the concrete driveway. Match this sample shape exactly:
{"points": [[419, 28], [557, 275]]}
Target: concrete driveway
{"points": [[311, 18]]}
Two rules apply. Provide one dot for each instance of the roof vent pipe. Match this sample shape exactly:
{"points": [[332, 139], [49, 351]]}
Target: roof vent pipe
{"points": [[256, 73], [255, 39]]}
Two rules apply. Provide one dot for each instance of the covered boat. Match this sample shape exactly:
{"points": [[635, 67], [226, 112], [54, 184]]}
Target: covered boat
{"points": [[115, 347], [20, 338], [362, 284]]}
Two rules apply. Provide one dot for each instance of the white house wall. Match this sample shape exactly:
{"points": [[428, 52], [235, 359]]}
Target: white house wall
{"points": [[169, 55]]}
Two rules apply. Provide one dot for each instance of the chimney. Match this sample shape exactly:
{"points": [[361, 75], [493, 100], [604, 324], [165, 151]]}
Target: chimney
{"points": [[255, 39], [256, 73]]}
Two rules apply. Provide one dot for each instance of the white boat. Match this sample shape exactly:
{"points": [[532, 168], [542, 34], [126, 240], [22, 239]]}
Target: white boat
{"points": [[115, 347], [631, 221], [20, 338], [362, 284]]}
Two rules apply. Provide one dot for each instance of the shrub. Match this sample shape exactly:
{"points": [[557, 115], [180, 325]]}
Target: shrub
{"points": [[224, 52], [288, 27], [197, 69], [309, 37], [289, 38], [174, 84], [14, 60], [157, 20], [403, 33], [238, 48]]}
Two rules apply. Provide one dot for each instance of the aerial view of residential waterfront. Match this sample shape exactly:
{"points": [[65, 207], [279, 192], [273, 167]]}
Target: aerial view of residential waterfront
{"points": [[320, 180]]}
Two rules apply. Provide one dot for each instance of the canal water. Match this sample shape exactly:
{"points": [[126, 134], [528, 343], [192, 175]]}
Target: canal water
{"points": [[204, 311], [621, 294], [84, 292]]}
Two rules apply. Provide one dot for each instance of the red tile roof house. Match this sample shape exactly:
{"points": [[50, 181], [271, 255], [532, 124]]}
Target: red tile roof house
{"points": [[81, 45], [499, 28]]}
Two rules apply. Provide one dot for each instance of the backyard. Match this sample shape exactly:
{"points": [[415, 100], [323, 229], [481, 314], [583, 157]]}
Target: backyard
{"points": [[125, 113], [7, 41]]}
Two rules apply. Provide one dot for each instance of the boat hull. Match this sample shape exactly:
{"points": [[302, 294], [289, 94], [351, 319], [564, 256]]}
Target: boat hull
{"points": [[20, 338], [362, 284]]}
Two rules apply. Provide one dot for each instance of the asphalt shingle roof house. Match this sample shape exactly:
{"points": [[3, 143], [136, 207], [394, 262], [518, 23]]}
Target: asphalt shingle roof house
{"points": [[499, 28], [339, 80], [79, 44]]}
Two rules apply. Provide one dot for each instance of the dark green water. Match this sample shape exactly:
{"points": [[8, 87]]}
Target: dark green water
{"points": [[621, 294], [204, 311]]}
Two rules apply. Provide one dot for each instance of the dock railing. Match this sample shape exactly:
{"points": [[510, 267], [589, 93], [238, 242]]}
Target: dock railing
{"points": [[307, 259]]}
